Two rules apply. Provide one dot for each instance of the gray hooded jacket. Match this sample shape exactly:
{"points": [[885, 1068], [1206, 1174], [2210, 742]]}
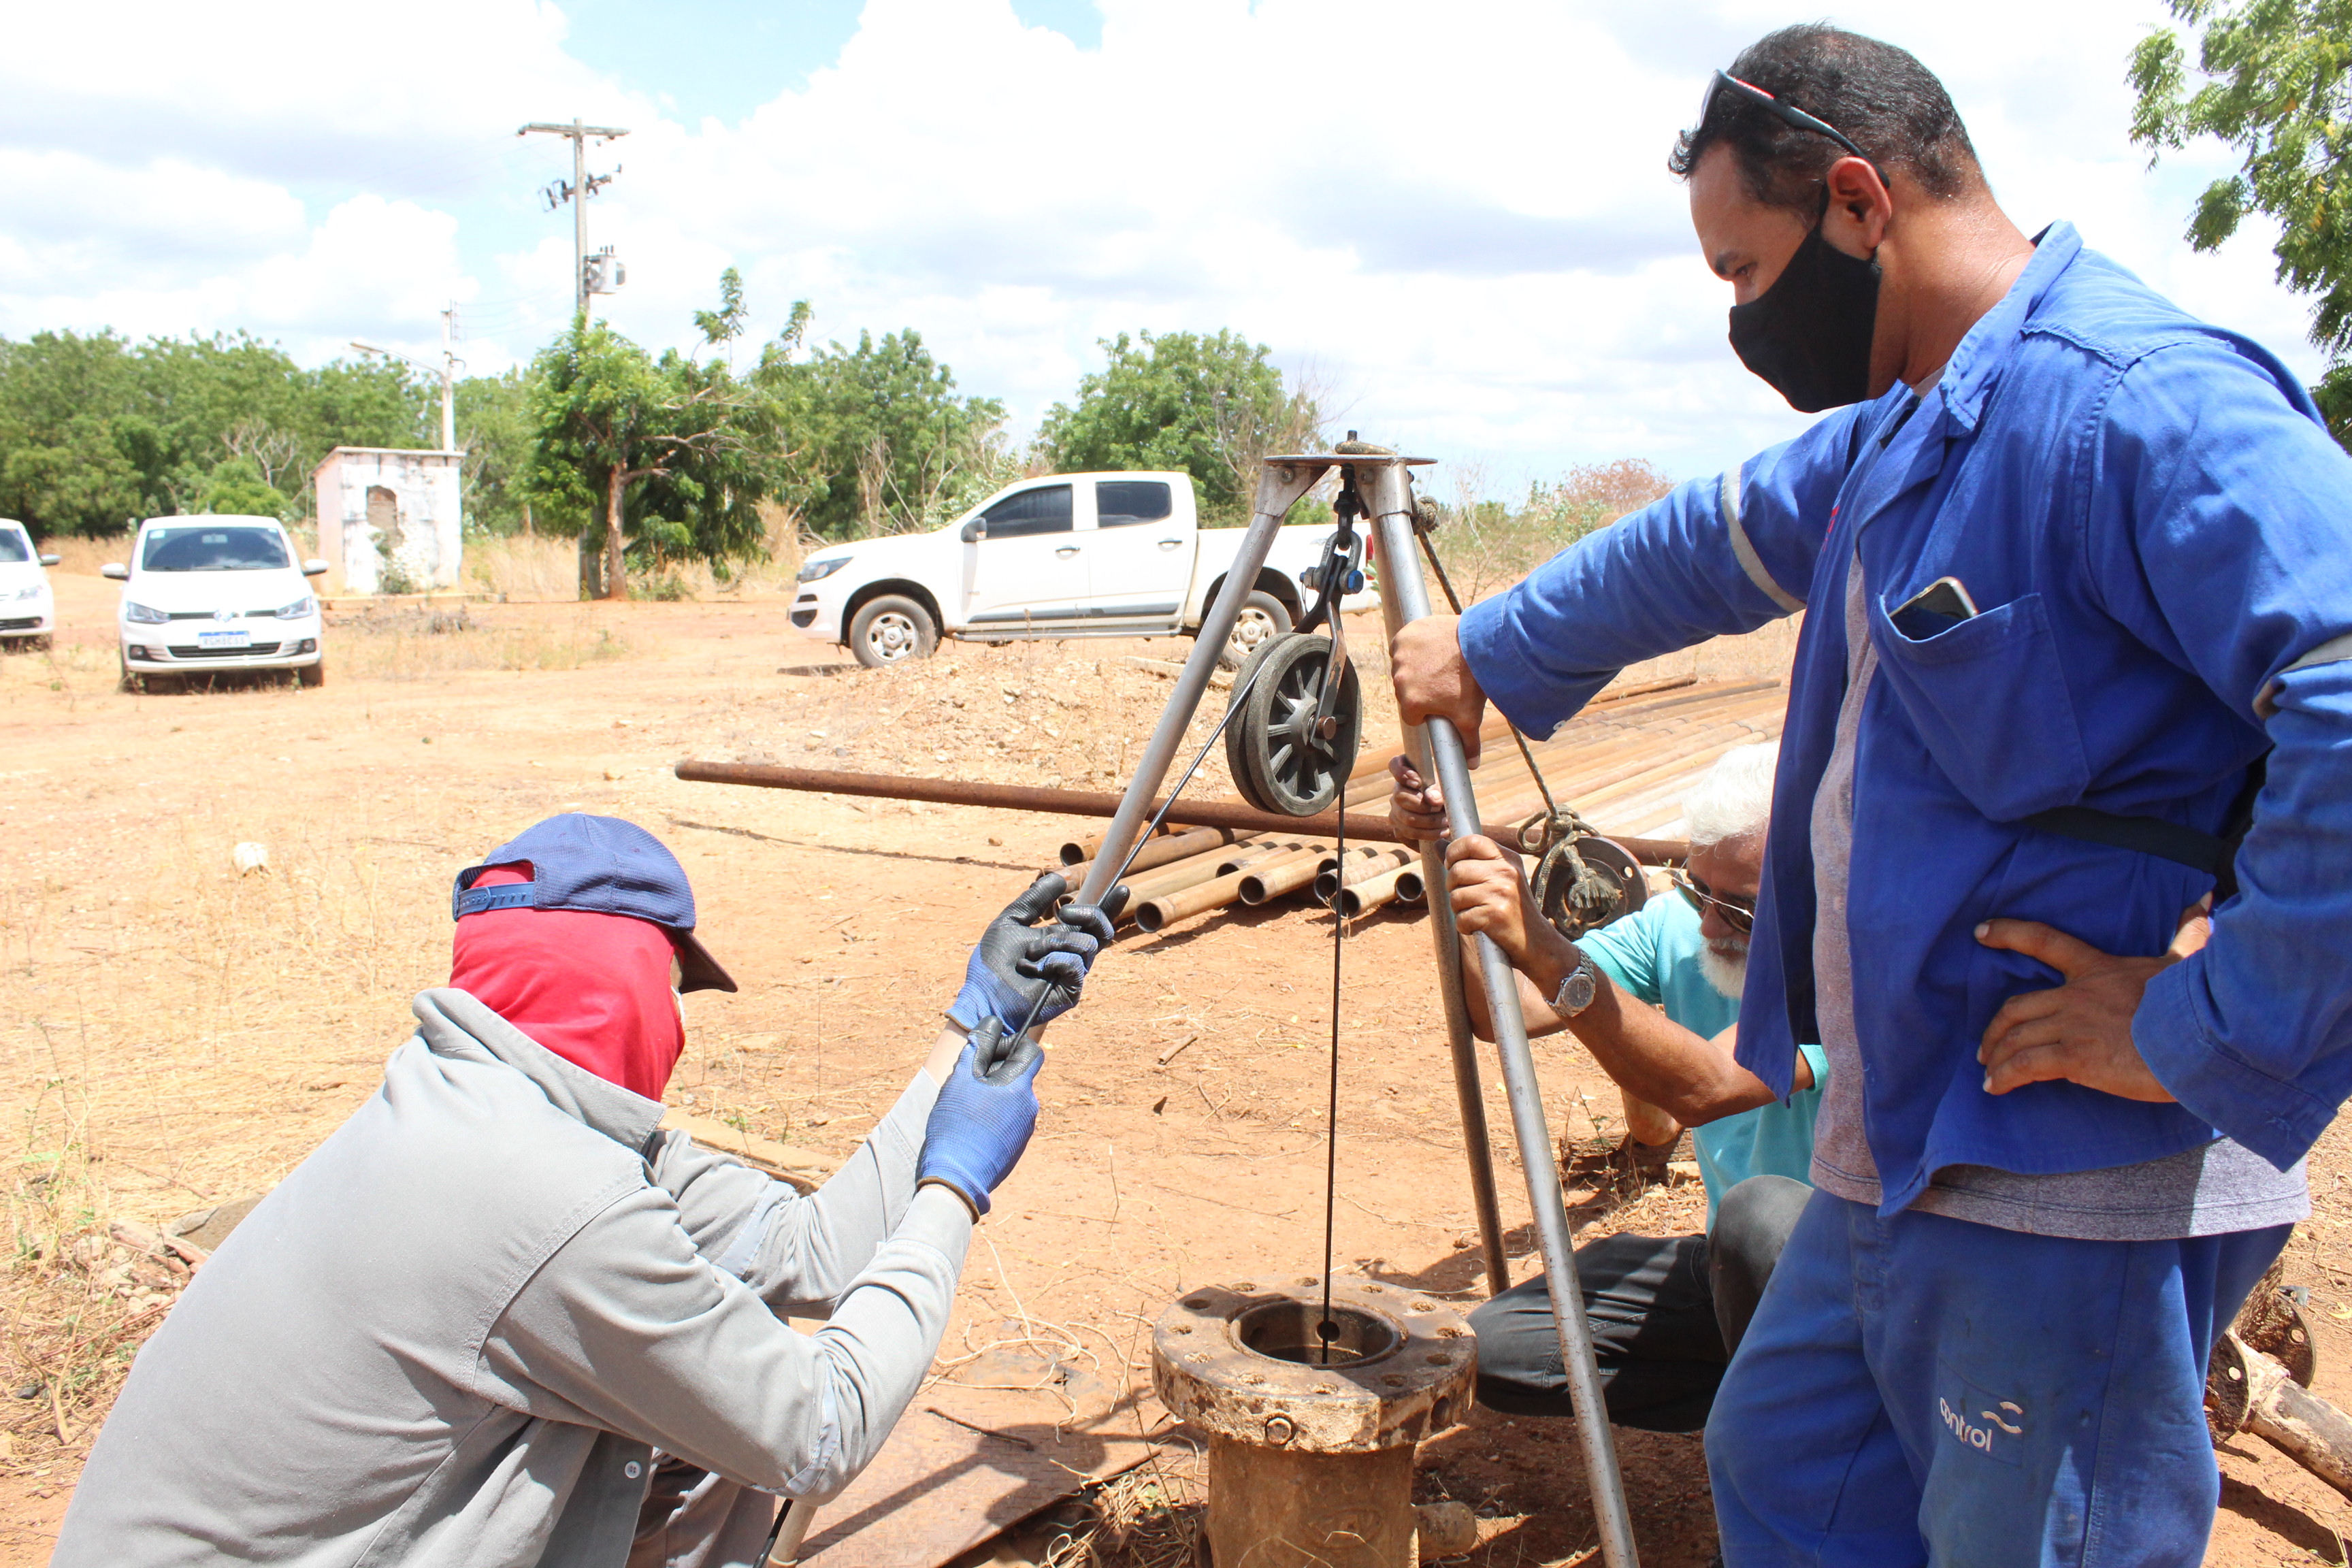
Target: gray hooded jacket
{"points": [[455, 1332]]}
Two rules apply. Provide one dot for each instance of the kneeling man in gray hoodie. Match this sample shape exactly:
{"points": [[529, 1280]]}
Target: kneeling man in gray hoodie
{"points": [[501, 1317]]}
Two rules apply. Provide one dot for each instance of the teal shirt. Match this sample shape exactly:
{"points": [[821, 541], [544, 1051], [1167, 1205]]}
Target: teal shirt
{"points": [[1653, 955]]}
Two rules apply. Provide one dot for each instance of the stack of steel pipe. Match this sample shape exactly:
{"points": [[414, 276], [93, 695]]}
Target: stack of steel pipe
{"points": [[1623, 764], [1397, 885], [1364, 863], [1159, 906]]}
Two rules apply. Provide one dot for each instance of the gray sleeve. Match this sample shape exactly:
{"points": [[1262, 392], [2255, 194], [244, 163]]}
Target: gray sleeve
{"points": [[799, 1254], [629, 1329]]}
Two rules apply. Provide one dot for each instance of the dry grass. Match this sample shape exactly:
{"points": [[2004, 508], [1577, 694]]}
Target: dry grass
{"points": [[1149, 1517], [84, 556], [408, 642], [547, 570], [529, 570], [392, 642], [67, 672]]}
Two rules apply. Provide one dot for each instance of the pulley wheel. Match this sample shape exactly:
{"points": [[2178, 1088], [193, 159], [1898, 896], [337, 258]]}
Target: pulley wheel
{"points": [[1279, 763], [1614, 867]]}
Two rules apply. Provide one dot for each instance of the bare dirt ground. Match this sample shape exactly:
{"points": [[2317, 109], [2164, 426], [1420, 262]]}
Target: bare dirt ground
{"points": [[174, 1034]]}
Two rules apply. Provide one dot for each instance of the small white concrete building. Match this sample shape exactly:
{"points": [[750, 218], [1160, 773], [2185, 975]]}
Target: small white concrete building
{"points": [[388, 520]]}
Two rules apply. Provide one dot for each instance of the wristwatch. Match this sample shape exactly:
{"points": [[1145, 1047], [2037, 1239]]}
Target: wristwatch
{"points": [[1577, 989]]}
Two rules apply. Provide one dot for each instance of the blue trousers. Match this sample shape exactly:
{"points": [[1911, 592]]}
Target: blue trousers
{"points": [[1921, 1390]]}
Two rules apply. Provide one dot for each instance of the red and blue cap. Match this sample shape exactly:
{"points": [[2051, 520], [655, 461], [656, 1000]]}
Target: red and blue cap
{"points": [[598, 865]]}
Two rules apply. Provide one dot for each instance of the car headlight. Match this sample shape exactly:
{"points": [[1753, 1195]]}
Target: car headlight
{"points": [[32, 593], [305, 605], [143, 615], [812, 571]]}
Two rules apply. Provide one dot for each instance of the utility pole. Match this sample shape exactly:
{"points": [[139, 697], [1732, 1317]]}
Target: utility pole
{"points": [[450, 378], [577, 193]]}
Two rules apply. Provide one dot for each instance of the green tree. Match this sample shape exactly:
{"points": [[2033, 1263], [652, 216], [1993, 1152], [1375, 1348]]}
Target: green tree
{"points": [[1213, 406], [94, 432], [610, 418], [234, 485], [879, 440], [2275, 89], [497, 429]]}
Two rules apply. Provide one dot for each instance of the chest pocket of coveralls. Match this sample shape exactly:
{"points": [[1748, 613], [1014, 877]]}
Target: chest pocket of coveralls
{"points": [[1989, 698]]}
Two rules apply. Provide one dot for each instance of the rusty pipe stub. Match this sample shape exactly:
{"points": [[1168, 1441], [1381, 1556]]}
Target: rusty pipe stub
{"points": [[1244, 1361]]}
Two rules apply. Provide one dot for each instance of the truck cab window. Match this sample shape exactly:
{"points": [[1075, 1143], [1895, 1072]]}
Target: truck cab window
{"points": [[1119, 502], [1046, 510]]}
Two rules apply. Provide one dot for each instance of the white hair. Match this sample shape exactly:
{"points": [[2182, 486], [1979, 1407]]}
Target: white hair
{"points": [[1735, 798]]}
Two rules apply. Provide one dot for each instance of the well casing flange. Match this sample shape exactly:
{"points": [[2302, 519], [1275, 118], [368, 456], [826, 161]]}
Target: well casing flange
{"points": [[1311, 1462]]}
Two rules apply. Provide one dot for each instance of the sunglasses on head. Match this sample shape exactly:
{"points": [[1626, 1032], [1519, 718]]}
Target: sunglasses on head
{"points": [[1726, 82], [1738, 913]]}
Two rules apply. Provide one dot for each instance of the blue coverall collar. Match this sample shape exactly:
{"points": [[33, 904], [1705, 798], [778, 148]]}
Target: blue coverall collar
{"points": [[1976, 365]]}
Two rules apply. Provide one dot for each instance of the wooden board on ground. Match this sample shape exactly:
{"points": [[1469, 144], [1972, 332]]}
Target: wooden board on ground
{"points": [[967, 1464]]}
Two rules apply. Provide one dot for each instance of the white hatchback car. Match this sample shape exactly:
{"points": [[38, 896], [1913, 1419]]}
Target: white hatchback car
{"points": [[29, 611], [205, 593]]}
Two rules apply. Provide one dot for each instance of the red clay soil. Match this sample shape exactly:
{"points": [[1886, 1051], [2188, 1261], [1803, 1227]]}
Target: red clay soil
{"points": [[174, 1035]]}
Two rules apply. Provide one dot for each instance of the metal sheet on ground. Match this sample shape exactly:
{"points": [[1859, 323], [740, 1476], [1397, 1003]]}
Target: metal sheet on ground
{"points": [[940, 1487]]}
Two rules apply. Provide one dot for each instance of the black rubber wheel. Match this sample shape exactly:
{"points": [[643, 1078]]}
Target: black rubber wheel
{"points": [[1263, 618], [891, 630], [1277, 762], [311, 675]]}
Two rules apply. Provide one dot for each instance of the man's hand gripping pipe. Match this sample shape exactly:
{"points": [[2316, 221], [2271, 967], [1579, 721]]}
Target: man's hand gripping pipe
{"points": [[1279, 485], [1401, 586]]}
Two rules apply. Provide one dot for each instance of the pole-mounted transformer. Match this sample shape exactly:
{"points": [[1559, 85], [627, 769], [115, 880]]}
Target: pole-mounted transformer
{"points": [[607, 275]]}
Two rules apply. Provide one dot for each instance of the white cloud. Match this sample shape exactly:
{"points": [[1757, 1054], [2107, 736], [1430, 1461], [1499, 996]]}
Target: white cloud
{"points": [[1462, 219]]}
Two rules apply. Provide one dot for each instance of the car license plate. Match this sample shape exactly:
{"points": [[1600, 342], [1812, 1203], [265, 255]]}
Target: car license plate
{"points": [[239, 638]]}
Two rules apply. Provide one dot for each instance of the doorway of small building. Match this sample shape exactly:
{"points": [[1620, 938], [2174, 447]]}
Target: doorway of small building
{"points": [[393, 574]]}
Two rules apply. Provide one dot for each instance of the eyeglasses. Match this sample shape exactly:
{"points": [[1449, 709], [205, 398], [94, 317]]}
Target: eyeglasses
{"points": [[1786, 111], [1738, 913]]}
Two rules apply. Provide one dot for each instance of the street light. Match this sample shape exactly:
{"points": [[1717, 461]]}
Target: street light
{"points": [[448, 373]]}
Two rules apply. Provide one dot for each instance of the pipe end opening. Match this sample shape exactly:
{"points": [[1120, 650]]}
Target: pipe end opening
{"points": [[1296, 1332]]}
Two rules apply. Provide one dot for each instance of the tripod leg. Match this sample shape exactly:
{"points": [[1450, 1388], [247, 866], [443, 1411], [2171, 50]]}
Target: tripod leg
{"points": [[1392, 527], [1279, 485], [1468, 1092]]}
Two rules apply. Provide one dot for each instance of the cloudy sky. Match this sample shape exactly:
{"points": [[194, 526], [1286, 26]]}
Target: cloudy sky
{"points": [[1455, 219]]}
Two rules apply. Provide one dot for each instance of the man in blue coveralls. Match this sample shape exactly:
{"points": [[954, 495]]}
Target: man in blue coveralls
{"points": [[2080, 569], [1666, 1311]]}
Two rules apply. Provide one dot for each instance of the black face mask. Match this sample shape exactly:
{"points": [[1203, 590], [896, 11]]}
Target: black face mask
{"points": [[1808, 335]]}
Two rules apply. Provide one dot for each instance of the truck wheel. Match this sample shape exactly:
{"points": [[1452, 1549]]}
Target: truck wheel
{"points": [[892, 630], [1263, 616]]}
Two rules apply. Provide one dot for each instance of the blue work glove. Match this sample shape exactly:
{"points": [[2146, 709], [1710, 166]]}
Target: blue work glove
{"points": [[983, 1117], [1017, 968]]}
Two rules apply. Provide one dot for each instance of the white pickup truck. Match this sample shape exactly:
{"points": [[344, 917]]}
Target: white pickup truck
{"points": [[1067, 556]]}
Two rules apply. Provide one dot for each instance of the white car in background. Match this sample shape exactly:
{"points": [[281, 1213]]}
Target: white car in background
{"points": [[207, 593], [1062, 555], [28, 610]]}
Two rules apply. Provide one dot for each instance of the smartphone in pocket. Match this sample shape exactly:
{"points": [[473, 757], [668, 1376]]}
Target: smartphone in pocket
{"points": [[1934, 610]]}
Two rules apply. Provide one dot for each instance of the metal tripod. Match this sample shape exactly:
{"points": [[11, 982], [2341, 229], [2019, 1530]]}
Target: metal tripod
{"points": [[1385, 484]]}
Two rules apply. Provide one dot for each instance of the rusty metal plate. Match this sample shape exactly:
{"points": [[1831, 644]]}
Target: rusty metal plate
{"points": [[941, 1487]]}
